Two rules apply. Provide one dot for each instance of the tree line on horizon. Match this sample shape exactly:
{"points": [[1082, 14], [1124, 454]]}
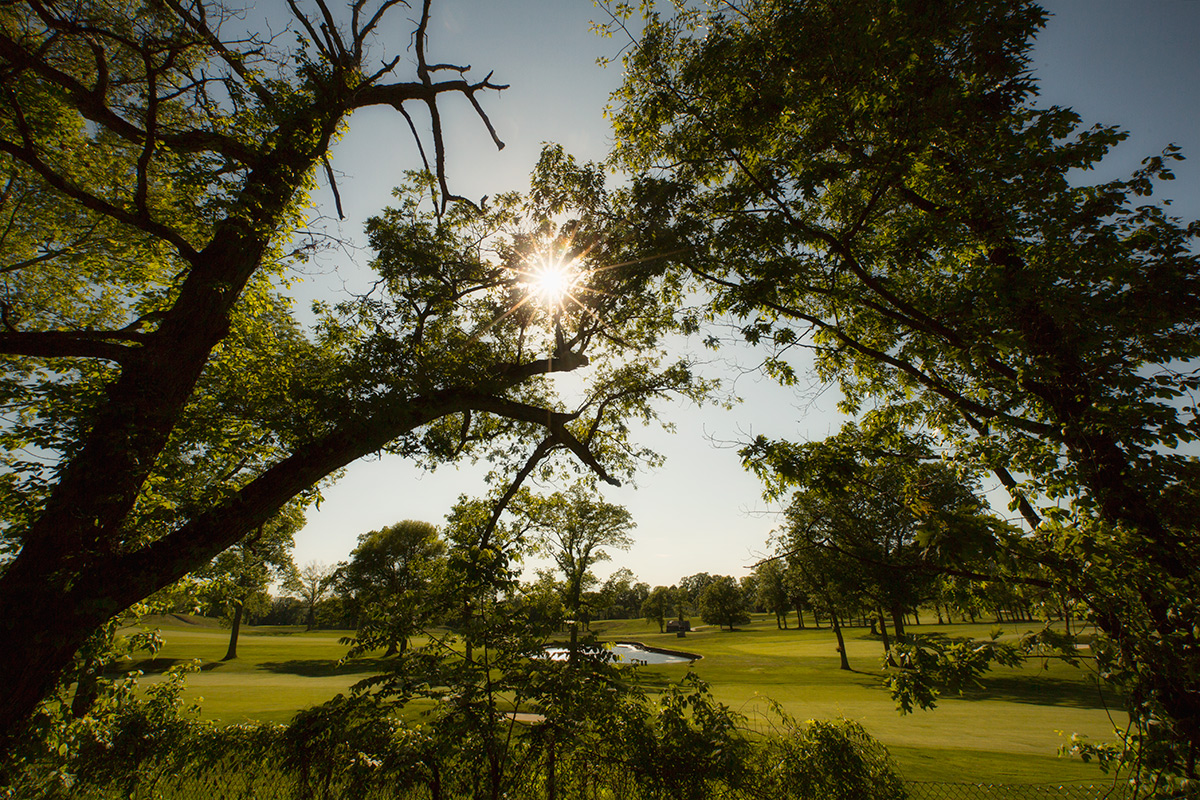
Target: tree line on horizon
{"points": [[322, 596]]}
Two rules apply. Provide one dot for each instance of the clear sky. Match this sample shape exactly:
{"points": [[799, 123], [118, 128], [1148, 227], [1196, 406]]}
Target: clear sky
{"points": [[1126, 62]]}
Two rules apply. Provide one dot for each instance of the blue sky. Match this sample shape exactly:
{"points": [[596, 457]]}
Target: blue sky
{"points": [[1131, 63]]}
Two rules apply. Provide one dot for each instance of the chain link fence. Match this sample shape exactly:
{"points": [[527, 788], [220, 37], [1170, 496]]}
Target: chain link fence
{"points": [[923, 790], [265, 783]]}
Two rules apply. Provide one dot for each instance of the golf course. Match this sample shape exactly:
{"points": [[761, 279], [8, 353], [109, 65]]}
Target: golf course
{"points": [[1005, 731]]}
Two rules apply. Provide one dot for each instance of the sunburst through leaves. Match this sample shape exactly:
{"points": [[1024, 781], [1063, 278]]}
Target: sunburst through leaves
{"points": [[552, 279]]}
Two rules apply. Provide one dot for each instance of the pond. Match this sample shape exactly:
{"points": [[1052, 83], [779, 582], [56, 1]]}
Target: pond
{"points": [[632, 653]]}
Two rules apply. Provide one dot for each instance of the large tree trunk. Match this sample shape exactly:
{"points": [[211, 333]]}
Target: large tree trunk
{"points": [[235, 629], [51, 602], [841, 642], [883, 632], [87, 689], [898, 620]]}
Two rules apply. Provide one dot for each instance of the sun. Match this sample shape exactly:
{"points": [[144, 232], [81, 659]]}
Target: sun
{"points": [[555, 279], [551, 281]]}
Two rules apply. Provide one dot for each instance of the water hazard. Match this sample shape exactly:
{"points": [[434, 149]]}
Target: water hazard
{"points": [[628, 653]]}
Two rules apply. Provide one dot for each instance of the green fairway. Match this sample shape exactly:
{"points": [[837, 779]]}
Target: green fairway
{"points": [[277, 672], [1006, 732]]}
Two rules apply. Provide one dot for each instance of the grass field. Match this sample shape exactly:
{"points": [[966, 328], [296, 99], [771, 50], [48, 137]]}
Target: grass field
{"points": [[1005, 732]]}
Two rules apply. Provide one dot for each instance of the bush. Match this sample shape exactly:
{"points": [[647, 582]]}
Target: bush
{"points": [[826, 760]]}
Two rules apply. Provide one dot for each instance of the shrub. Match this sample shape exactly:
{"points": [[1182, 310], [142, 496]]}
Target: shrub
{"points": [[826, 760]]}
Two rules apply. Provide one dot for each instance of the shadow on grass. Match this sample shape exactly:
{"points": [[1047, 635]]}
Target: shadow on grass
{"points": [[277, 630], [154, 666], [1042, 691], [325, 667], [654, 683]]}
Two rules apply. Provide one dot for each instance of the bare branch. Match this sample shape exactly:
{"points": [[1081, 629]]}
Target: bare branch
{"points": [[312, 32], [337, 197], [361, 35], [333, 36], [543, 449], [234, 59], [412, 126], [487, 84]]}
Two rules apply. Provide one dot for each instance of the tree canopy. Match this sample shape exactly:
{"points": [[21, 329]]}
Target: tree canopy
{"points": [[877, 182], [312, 583], [723, 603], [388, 583], [884, 506]]}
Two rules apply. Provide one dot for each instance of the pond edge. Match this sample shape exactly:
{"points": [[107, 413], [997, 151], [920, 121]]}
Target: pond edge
{"points": [[661, 650]]}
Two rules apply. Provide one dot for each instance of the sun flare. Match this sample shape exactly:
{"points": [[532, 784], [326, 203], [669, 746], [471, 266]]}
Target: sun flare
{"points": [[551, 281], [556, 278]]}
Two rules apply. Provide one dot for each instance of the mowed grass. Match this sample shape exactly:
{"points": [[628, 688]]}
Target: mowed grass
{"points": [[278, 671], [1006, 732]]}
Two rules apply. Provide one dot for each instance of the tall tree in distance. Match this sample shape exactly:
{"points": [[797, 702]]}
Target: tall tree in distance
{"points": [[658, 605], [576, 528], [722, 602], [690, 587], [388, 584], [773, 590], [879, 502], [622, 595], [248, 568], [881, 182], [312, 583]]}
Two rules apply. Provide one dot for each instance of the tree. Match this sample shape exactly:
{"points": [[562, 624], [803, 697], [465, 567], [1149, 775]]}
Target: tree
{"points": [[313, 583], [151, 363], [691, 587], [880, 500], [878, 182], [248, 568], [574, 526], [722, 603], [773, 590], [658, 605], [388, 581], [543, 600], [749, 586], [622, 595]]}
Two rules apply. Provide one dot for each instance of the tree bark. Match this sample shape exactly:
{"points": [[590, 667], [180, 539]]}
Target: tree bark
{"points": [[883, 632], [841, 642], [898, 620], [235, 629]]}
